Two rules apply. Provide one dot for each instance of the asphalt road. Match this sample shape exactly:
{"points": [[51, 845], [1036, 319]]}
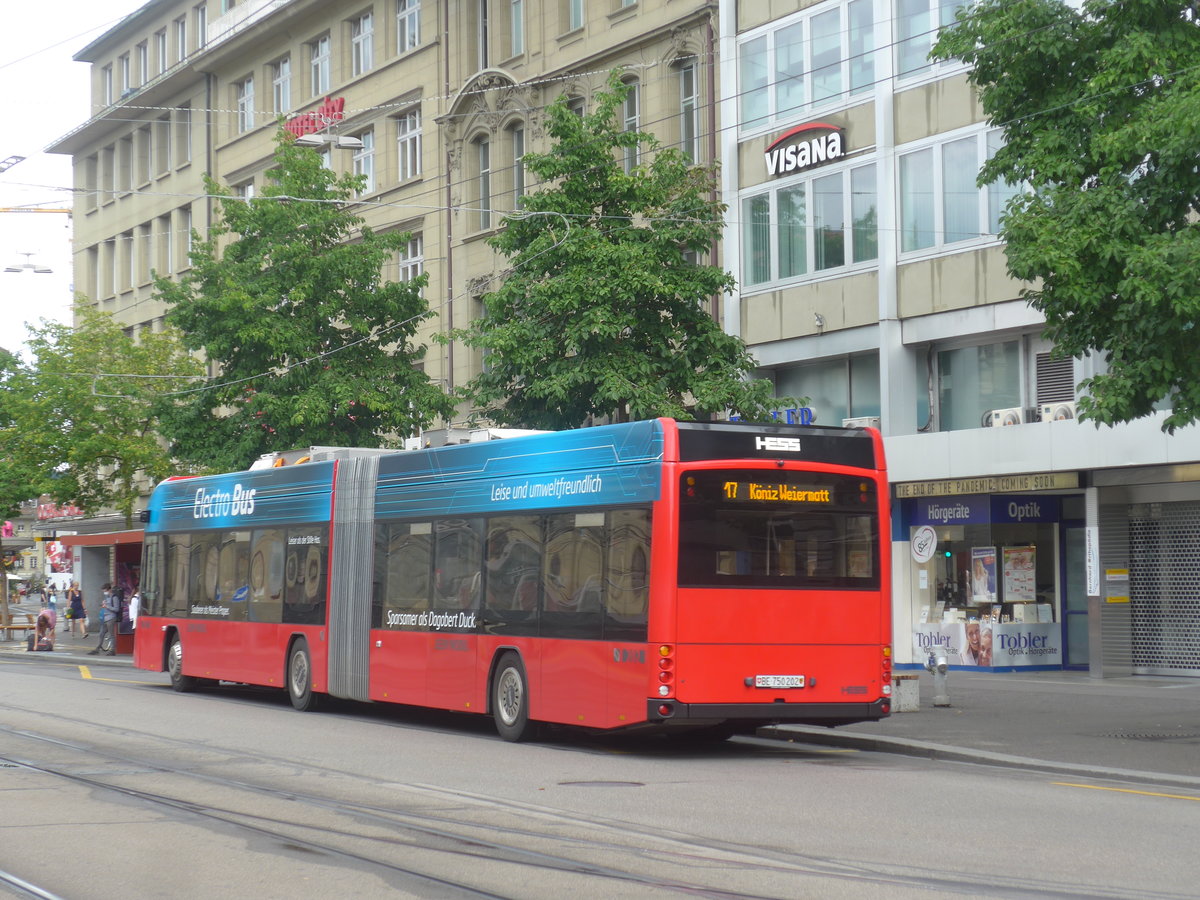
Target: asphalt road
{"points": [[111, 785]]}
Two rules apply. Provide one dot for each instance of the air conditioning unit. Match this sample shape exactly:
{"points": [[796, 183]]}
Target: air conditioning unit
{"points": [[1056, 412], [1013, 416], [861, 422]]}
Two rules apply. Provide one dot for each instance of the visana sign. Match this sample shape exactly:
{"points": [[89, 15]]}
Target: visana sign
{"points": [[786, 155]]}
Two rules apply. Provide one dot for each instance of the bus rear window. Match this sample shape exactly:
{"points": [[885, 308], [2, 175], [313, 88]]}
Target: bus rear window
{"points": [[777, 529]]}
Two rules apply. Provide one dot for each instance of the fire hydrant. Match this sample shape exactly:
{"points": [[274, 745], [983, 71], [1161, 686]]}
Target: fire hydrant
{"points": [[938, 666]]}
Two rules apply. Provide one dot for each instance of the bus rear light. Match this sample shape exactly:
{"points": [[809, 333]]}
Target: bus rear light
{"points": [[664, 677], [664, 690], [665, 663], [664, 650], [665, 710]]}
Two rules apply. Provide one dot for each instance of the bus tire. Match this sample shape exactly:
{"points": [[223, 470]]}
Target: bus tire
{"points": [[180, 682], [299, 677], [510, 699]]}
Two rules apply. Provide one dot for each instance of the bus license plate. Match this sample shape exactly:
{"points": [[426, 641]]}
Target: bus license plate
{"points": [[779, 681]]}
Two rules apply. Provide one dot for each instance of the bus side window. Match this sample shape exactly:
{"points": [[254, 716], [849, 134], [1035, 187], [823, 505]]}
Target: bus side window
{"points": [[152, 560], [458, 560], [403, 570], [627, 592], [233, 583], [573, 576], [512, 564], [305, 570], [266, 576], [175, 587]]}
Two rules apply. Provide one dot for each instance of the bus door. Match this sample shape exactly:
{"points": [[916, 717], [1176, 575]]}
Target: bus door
{"points": [[449, 635]]}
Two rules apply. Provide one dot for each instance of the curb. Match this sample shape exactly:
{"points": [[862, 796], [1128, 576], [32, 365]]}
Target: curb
{"points": [[947, 753], [71, 656]]}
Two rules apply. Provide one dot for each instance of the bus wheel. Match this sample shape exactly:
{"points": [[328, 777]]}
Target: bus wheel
{"points": [[299, 678], [179, 681], [510, 699]]}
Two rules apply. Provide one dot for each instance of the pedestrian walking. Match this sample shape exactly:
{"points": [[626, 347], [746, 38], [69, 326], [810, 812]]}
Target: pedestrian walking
{"points": [[78, 620], [110, 612]]}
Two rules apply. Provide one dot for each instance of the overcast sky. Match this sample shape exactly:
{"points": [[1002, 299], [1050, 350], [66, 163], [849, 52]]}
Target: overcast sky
{"points": [[46, 96]]}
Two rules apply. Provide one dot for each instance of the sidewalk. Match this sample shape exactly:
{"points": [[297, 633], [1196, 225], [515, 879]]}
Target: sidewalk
{"points": [[1142, 729], [66, 646]]}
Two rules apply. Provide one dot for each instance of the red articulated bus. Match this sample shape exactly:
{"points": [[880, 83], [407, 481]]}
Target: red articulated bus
{"points": [[660, 574]]}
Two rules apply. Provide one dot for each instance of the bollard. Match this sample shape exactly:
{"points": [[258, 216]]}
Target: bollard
{"points": [[937, 665]]}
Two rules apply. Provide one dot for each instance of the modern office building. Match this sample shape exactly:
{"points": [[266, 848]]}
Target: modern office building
{"points": [[872, 281]]}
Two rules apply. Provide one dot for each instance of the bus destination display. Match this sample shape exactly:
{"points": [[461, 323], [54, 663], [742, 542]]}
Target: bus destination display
{"points": [[768, 492]]}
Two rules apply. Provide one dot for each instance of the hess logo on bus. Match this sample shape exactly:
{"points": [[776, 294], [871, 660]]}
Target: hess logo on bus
{"points": [[778, 444]]}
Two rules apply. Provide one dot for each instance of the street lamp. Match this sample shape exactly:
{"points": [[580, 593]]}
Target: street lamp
{"points": [[317, 139], [36, 268]]}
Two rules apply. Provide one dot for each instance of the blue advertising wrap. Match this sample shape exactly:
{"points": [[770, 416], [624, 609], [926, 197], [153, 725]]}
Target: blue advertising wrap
{"points": [[612, 464], [259, 499]]}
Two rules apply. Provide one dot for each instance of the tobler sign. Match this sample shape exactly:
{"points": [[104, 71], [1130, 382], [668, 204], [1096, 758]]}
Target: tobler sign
{"points": [[330, 111], [805, 146]]}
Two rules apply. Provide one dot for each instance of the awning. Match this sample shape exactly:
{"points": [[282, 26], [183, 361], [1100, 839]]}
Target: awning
{"points": [[106, 539]]}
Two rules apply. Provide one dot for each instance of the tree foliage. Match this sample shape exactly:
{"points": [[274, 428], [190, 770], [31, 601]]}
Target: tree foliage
{"points": [[84, 414], [1100, 110], [311, 346], [603, 312], [23, 475]]}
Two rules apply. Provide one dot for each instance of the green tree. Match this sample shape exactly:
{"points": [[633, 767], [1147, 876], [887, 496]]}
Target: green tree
{"points": [[23, 477], [86, 410], [311, 346], [604, 311], [1100, 109]]}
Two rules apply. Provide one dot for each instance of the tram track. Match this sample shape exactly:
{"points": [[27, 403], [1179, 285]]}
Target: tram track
{"points": [[454, 830]]}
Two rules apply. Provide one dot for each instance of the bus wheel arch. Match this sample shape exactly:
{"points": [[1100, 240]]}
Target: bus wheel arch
{"points": [[298, 680], [508, 697], [174, 665]]}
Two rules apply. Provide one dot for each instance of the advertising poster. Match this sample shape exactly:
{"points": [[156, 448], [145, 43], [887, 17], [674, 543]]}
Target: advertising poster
{"points": [[962, 643], [986, 644], [1020, 583], [983, 575]]}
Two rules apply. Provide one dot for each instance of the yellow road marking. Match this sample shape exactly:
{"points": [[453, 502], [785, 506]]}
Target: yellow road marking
{"points": [[86, 672], [1096, 787]]}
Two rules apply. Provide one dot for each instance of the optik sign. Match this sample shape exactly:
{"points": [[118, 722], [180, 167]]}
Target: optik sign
{"points": [[805, 146]]}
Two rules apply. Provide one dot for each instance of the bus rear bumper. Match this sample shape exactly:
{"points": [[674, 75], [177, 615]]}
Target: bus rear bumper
{"points": [[662, 711]]}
